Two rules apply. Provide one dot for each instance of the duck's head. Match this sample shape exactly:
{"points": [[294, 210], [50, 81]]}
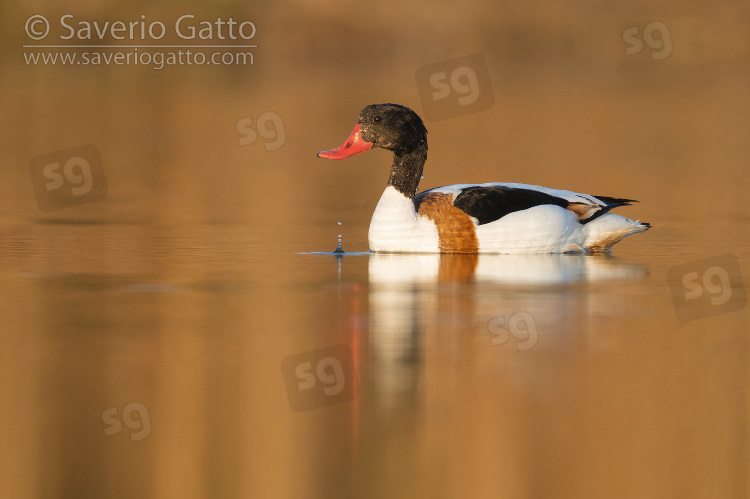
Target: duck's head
{"points": [[388, 126]]}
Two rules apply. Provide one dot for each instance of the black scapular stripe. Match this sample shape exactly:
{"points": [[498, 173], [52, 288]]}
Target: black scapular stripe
{"points": [[488, 204]]}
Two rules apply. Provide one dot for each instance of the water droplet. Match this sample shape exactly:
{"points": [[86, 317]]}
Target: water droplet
{"points": [[338, 249], [421, 177]]}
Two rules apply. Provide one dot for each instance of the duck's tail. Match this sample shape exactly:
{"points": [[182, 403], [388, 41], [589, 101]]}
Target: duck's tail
{"points": [[607, 230]]}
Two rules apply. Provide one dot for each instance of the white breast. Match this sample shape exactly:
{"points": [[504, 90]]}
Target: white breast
{"points": [[397, 227]]}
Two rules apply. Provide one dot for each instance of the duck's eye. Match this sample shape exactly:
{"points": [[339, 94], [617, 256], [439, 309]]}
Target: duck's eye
{"points": [[377, 119]]}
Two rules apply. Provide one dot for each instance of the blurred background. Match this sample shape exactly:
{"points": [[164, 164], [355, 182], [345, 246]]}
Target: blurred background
{"points": [[182, 287]]}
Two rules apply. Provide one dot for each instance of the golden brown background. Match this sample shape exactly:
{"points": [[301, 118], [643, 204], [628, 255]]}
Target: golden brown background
{"points": [[184, 289]]}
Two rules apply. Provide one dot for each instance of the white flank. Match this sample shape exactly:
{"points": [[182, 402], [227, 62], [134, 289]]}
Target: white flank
{"points": [[541, 229]]}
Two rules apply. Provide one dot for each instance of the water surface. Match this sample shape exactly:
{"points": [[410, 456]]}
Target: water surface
{"points": [[480, 376]]}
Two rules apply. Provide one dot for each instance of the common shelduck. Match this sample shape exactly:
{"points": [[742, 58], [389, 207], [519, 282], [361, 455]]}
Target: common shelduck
{"points": [[473, 218]]}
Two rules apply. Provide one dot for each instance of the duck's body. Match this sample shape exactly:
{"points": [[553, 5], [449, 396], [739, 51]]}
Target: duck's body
{"points": [[473, 218], [432, 222]]}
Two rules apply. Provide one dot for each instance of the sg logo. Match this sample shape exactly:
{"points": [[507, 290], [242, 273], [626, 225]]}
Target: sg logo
{"points": [[71, 177], [463, 80], [328, 371], [520, 326], [715, 282], [142, 423], [319, 378], [454, 88], [274, 137], [661, 46], [707, 287]]}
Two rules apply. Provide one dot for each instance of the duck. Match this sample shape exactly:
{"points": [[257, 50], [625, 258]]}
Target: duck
{"points": [[495, 217]]}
